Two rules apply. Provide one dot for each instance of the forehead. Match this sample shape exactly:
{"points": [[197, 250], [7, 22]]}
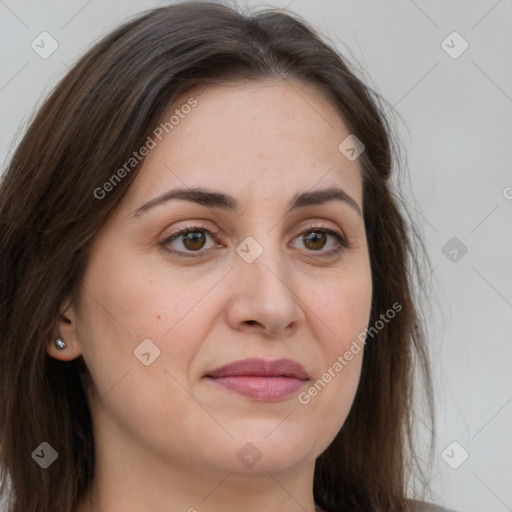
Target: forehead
{"points": [[271, 137]]}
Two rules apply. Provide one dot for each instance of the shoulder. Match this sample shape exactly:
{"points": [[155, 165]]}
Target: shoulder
{"points": [[423, 506], [418, 506]]}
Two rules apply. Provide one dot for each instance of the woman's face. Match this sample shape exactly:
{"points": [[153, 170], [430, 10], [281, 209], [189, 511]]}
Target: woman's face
{"points": [[261, 275]]}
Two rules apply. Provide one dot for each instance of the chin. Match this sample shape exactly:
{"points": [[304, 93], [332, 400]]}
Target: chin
{"points": [[257, 452]]}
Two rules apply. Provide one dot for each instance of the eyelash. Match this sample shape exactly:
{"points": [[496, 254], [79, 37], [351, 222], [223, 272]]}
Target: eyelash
{"points": [[342, 242]]}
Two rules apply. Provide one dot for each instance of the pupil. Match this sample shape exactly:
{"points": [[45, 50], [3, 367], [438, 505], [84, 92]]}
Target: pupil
{"points": [[193, 238], [315, 238]]}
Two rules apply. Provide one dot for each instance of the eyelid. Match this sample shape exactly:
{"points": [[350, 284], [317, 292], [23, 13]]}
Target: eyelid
{"points": [[324, 226], [199, 226]]}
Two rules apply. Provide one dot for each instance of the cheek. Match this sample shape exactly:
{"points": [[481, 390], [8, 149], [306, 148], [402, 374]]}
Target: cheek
{"points": [[339, 315], [118, 311], [342, 308], [125, 303]]}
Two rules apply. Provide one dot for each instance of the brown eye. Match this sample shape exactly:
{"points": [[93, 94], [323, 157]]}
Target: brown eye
{"points": [[322, 240], [315, 240], [194, 240]]}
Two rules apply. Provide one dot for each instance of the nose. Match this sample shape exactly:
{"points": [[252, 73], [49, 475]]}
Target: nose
{"points": [[265, 296]]}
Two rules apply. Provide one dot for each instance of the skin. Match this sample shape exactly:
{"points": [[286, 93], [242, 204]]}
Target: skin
{"points": [[166, 437]]}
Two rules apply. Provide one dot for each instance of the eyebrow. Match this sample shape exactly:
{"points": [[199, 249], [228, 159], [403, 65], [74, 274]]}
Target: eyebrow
{"points": [[213, 199]]}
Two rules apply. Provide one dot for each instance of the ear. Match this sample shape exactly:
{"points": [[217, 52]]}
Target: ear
{"points": [[65, 328]]}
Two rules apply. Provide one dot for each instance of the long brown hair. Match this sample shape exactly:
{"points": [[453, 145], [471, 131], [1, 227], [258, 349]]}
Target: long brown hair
{"points": [[101, 112]]}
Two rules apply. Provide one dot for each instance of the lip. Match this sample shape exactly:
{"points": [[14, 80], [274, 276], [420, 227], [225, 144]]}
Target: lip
{"points": [[261, 379]]}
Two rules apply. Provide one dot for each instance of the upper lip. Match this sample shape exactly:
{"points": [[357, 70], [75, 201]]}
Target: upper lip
{"points": [[261, 368]]}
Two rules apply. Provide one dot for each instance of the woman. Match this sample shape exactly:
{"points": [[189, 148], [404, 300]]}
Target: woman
{"points": [[205, 294]]}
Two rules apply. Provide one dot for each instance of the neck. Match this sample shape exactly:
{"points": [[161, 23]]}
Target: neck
{"points": [[140, 481]]}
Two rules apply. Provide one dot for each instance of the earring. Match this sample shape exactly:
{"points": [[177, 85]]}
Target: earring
{"points": [[60, 343]]}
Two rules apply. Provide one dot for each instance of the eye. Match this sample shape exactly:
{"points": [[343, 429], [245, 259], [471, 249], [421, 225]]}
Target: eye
{"points": [[193, 239], [189, 239], [315, 238]]}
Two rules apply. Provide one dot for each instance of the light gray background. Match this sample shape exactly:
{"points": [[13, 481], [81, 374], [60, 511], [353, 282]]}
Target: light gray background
{"points": [[456, 127]]}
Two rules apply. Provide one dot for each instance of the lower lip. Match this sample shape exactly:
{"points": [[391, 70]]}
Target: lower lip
{"points": [[265, 389]]}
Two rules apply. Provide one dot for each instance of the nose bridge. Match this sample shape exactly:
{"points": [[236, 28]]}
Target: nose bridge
{"points": [[263, 258]]}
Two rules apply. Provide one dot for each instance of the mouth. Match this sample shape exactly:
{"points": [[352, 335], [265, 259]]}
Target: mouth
{"points": [[261, 380]]}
